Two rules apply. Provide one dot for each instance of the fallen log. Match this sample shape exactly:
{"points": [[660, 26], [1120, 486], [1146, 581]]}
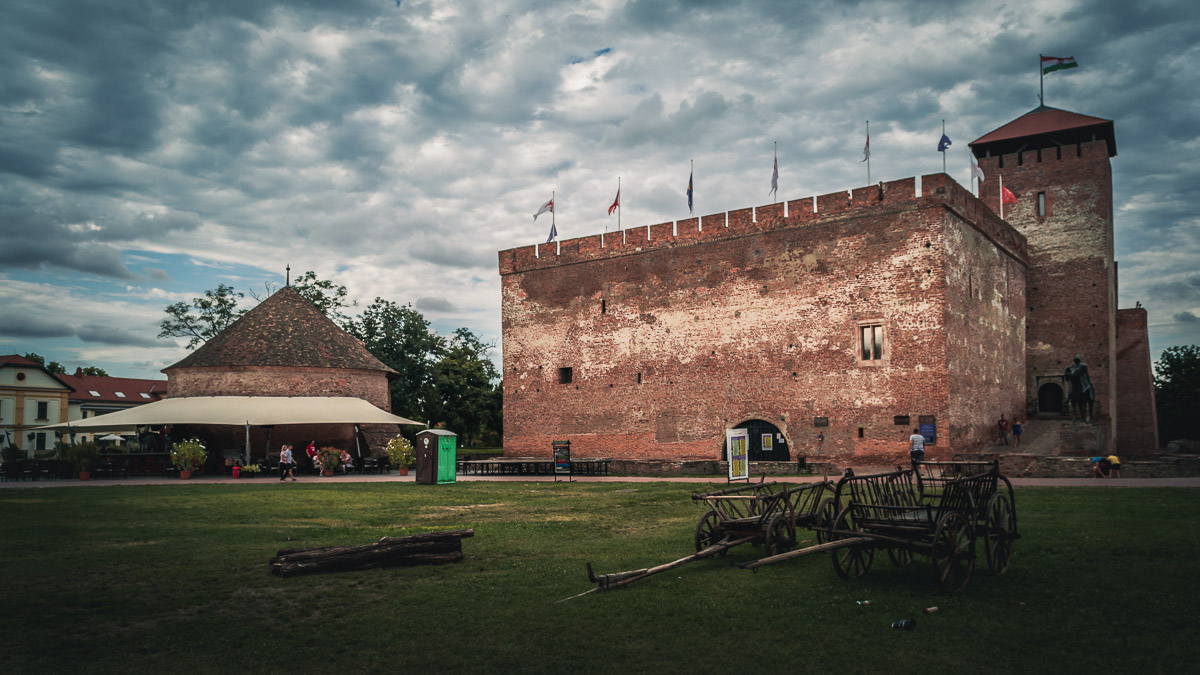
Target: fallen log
{"points": [[429, 548]]}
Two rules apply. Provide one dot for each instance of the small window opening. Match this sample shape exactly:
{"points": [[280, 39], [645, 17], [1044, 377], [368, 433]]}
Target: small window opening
{"points": [[1039, 155], [1041, 203], [639, 378], [1020, 159], [1000, 160], [603, 306], [860, 432], [565, 375], [901, 420], [871, 338]]}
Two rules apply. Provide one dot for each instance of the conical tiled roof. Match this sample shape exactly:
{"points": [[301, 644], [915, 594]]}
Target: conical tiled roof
{"points": [[284, 330]]}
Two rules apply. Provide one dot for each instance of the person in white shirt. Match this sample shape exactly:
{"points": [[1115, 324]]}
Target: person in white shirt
{"points": [[916, 451]]}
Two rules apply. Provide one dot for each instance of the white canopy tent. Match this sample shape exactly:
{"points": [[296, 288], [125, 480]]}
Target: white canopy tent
{"points": [[239, 411]]}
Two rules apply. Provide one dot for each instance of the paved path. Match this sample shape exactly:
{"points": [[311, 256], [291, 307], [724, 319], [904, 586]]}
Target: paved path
{"points": [[1190, 482]]}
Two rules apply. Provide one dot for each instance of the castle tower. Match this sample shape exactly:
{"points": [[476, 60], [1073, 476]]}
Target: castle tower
{"points": [[1057, 165]]}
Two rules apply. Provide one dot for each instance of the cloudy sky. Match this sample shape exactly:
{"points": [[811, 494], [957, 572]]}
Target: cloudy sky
{"points": [[152, 149]]}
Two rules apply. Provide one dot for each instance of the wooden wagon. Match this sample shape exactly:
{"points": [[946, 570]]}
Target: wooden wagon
{"points": [[762, 513], [936, 509]]}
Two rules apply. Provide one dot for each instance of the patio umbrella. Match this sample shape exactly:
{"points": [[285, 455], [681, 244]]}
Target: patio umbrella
{"points": [[112, 437]]}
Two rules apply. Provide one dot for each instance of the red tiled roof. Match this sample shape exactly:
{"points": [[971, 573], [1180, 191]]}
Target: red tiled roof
{"points": [[1045, 120], [284, 330], [17, 360], [109, 389]]}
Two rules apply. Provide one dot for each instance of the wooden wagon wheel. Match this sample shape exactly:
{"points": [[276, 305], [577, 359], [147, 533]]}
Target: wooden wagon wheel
{"points": [[781, 534], [900, 555], [1001, 531], [853, 561], [826, 515], [708, 531], [953, 552]]}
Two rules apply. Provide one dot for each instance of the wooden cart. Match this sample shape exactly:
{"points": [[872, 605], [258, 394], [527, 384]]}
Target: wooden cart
{"points": [[936, 509], [766, 514]]}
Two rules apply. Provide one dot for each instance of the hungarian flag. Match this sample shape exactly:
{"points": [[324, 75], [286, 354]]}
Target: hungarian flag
{"points": [[775, 179], [866, 150], [690, 209], [976, 172], [615, 204], [548, 206], [1007, 196], [1053, 63]]}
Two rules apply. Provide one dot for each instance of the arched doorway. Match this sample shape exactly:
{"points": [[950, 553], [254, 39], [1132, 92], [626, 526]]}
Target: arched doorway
{"points": [[1050, 398], [767, 443]]}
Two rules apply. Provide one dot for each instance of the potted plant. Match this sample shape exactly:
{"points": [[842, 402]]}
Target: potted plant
{"points": [[187, 456], [400, 453], [83, 456], [251, 470], [329, 459]]}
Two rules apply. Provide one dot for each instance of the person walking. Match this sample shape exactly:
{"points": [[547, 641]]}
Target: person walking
{"points": [[1016, 431], [1003, 426], [286, 464], [916, 450]]}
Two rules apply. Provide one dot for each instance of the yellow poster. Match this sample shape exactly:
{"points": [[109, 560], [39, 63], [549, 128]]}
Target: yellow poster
{"points": [[738, 442]]}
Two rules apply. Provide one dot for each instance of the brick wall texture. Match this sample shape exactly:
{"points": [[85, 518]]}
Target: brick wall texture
{"points": [[676, 332]]}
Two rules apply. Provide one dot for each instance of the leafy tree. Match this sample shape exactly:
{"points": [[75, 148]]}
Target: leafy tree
{"points": [[1177, 393], [58, 368], [399, 336], [204, 317], [54, 366], [330, 298], [465, 389]]}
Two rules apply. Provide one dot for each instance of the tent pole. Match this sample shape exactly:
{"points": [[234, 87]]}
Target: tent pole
{"points": [[357, 449], [246, 448]]}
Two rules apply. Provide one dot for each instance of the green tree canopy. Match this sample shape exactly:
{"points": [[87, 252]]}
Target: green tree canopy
{"points": [[204, 317], [329, 297], [465, 388], [399, 336], [53, 367], [1177, 393]]}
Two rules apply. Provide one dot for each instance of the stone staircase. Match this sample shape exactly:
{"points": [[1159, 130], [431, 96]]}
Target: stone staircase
{"points": [[1058, 436]]}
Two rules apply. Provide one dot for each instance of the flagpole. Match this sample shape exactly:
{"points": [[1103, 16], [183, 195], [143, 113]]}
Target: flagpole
{"points": [[1041, 82], [692, 187], [619, 204], [868, 152], [776, 168], [1002, 197], [943, 151]]}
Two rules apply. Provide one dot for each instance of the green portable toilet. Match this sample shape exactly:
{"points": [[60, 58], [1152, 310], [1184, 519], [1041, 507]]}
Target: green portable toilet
{"points": [[437, 456]]}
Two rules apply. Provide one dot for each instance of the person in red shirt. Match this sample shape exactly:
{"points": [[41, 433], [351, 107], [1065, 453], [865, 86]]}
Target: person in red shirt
{"points": [[1003, 425]]}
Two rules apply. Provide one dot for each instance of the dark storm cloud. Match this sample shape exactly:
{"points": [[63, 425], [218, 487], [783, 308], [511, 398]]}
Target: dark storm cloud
{"points": [[112, 335], [18, 326], [1186, 317], [1186, 290], [435, 305], [155, 274]]}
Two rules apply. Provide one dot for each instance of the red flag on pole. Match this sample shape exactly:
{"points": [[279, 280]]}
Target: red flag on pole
{"points": [[1007, 196], [616, 203]]}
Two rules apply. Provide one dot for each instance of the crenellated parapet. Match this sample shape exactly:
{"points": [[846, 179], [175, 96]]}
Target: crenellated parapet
{"points": [[894, 196]]}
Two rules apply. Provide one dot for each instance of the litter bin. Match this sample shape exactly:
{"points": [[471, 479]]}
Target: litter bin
{"points": [[437, 455]]}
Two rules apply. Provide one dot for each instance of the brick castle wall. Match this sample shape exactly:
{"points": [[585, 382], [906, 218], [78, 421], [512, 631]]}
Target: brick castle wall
{"points": [[1137, 426], [685, 329], [1071, 282]]}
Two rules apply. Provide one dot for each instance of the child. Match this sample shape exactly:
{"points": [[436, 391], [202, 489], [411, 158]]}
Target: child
{"points": [[1016, 431]]}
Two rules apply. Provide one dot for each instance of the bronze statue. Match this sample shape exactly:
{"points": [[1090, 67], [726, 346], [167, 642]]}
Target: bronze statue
{"points": [[1082, 394]]}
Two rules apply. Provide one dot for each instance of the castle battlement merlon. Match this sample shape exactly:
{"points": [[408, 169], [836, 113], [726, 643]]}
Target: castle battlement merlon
{"points": [[859, 202]]}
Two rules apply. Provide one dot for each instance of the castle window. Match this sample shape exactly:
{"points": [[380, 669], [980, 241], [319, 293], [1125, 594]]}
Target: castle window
{"points": [[871, 349], [603, 306], [565, 376], [1041, 207], [901, 420], [43, 412], [639, 378]]}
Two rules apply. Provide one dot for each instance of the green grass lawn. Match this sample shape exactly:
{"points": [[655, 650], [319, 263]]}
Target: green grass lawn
{"points": [[175, 579]]}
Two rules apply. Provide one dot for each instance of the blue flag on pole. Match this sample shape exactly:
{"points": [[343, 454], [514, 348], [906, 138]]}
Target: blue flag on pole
{"points": [[553, 233], [944, 143]]}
